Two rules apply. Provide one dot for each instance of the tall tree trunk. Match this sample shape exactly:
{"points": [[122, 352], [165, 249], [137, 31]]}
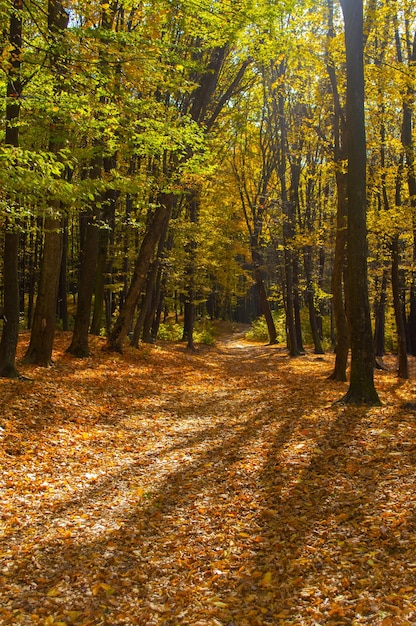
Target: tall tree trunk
{"points": [[261, 290], [9, 337], [62, 309], [151, 297], [297, 305], [337, 282], [380, 315], [410, 162], [106, 239], [44, 319], [403, 369], [190, 272], [79, 346], [155, 229], [339, 269], [288, 233], [361, 389], [310, 296]]}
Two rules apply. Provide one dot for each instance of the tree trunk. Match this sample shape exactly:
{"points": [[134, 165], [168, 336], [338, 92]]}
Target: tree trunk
{"points": [[338, 273], [297, 306], [379, 316], [79, 346], [62, 309], [9, 337], [361, 389], [338, 283], [106, 238], [310, 296], [145, 307], [190, 271], [403, 369], [261, 289], [122, 326], [44, 319]]}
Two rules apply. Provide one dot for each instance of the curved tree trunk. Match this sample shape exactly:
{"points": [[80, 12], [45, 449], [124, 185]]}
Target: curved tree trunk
{"points": [[261, 290], [122, 326]]}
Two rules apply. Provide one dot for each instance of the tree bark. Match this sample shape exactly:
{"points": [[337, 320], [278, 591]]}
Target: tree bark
{"points": [[339, 271], [310, 296], [44, 320], [79, 346], [9, 337], [379, 316], [123, 323], [361, 389], [403, 368]]}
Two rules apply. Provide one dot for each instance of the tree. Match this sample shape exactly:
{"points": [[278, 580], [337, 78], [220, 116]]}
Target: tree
{"points": [[44, 320], [9, 337], [361, 389], [339, 156]]}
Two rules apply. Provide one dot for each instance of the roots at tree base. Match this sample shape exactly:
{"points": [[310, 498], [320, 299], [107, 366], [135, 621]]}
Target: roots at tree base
{"points": [[360, 397]]}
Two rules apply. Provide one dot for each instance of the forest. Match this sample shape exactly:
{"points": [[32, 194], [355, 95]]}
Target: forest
{"points": [[165, 163], [207, 313]]}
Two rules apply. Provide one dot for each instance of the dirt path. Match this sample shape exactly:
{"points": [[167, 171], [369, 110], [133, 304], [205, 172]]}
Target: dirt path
{"points": [[215, 488]]}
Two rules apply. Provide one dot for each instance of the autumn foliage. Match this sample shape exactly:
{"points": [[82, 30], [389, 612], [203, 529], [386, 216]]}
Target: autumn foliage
{"points": [[221, 487]]}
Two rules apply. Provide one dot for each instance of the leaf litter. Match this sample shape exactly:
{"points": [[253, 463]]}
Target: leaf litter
{"points": [[222, 487]]}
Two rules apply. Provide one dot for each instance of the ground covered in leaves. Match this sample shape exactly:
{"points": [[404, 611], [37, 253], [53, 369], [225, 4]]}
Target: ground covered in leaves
{"points": [[221, 487]]}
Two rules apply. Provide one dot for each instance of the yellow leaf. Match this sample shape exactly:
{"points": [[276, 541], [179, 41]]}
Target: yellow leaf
{"points": [[107, 588], [73, 615], [53, 593], [267, 579]]}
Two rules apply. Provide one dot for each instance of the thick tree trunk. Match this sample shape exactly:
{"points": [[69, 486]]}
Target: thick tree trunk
{"points": [[44, 319], [361, 389], [9, 337]]}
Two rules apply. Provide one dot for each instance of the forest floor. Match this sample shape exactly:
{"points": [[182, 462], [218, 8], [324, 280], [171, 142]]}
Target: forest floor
{"points": [[221, 487]]}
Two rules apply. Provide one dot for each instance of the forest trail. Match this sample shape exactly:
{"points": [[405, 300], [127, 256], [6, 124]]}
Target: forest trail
{"points": [[217, 488]]}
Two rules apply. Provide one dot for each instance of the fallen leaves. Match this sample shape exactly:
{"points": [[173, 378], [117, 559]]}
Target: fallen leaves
{"points": [[219, 488]]}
